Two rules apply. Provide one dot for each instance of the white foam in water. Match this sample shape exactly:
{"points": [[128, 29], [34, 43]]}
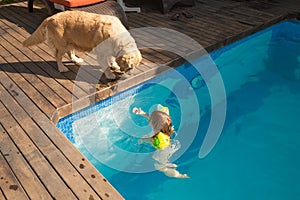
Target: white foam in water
{"points": [[110, 134]]}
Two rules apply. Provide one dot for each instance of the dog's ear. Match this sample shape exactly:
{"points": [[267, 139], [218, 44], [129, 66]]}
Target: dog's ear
{"points": [[120, 61], [137, 58], [167, 126]]}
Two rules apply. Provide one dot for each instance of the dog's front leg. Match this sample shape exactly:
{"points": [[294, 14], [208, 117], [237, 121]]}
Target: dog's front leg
{"points": [[104, 60], [112, 65], [74, 58], [111, 60]]}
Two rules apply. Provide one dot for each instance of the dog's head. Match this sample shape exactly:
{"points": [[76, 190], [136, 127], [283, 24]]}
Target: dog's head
{"points": [[129, 61], [161, 122]]}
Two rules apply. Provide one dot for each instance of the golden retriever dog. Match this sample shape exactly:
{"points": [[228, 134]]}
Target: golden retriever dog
{"points": [[83, 31]]}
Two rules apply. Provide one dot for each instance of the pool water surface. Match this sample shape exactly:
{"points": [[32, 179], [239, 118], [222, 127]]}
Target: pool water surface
{"points": [[257, 154]]}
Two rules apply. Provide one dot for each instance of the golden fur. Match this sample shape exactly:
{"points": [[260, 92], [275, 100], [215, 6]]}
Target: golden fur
{"points": [[77, 30], [158, 120], [161, 122]]}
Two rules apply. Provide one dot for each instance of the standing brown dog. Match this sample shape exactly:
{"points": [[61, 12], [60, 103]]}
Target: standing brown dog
{"points": [[77, 30]]}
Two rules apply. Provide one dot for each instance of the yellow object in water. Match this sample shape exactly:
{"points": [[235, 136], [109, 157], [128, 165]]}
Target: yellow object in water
{"points": [[161, 141]]}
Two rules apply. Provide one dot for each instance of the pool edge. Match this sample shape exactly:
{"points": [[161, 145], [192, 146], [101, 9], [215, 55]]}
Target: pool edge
{"points": [[123, 85]]}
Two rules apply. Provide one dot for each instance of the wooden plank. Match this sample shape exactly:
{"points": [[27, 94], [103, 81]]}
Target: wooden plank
{"points": [[189, 29], [257, 13], [161, 40], [224, 20], [219, 25], [173, 40], [2, 197], [47, 175], [242, 8], [61, 165], [37, 82], [159, 47], [37, 6], [19, 15], [55, 85], [180, 45], [232, 15], [83, 166], [36, 96], [10, 186], [33, 79], [26, 176]]}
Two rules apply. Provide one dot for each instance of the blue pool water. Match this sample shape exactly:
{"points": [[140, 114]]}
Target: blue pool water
{"points": [[257, 154]]}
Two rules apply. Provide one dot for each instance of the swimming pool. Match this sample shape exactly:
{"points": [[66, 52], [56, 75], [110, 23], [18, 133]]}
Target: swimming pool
{"points": [[257, 154]]}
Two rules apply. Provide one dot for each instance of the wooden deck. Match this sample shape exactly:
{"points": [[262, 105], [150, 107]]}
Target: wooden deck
{"points": [[36, 159]]}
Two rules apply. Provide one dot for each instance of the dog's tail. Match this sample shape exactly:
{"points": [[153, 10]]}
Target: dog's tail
{"points": [[38, 36]]}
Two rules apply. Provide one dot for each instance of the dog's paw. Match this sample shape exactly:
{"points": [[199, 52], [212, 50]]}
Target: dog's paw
{"points": [[78, 60], [63, 69], [111, 76], [136, 110], [115, 66], [112, 63], [183, 176], [171, 165]]}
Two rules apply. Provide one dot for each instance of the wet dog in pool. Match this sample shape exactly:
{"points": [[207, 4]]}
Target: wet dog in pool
{"points": [[160, 138]]}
